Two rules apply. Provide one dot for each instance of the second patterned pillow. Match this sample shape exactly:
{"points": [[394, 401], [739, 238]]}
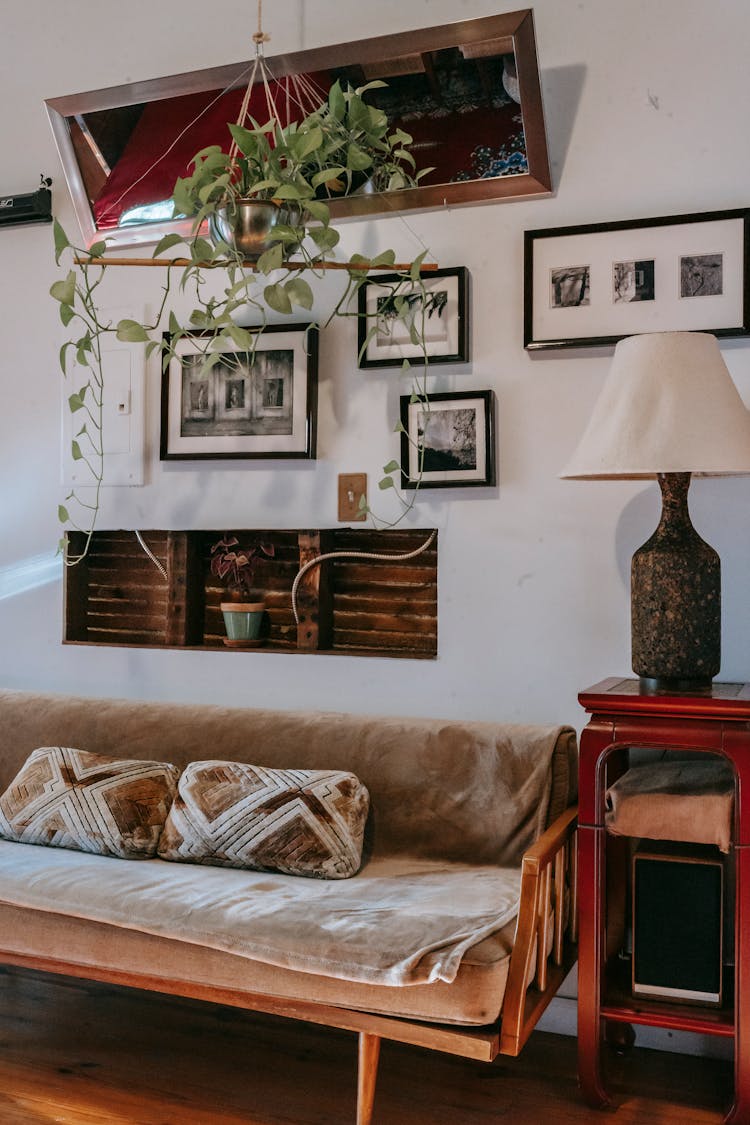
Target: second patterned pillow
{"points": [[297, 822]]}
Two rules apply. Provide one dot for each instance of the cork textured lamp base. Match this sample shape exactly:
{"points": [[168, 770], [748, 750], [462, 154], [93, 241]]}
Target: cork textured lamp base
{"points": [[676, 598]]}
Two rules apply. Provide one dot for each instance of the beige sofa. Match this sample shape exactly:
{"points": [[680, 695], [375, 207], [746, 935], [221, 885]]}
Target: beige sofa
{"points": [[455, 933]]}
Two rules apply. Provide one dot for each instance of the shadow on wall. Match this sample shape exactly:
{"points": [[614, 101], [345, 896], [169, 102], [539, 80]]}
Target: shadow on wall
{"points": [[562, 87]]}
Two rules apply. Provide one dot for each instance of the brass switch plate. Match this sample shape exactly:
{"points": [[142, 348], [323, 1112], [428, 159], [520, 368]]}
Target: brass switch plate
{"points": [[351, 487]]}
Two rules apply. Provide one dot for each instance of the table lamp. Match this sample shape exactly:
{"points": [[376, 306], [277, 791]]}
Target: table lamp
{"points": [[669, 409]]}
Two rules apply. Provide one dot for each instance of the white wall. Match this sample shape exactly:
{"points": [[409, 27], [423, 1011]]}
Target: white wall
{"points": [[646, 105]]}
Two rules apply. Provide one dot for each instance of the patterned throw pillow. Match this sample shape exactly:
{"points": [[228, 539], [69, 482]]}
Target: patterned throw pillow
{"points": [[298, 822], [73, 799]]}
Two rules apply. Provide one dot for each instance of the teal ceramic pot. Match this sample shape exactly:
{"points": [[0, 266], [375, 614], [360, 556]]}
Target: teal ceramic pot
{"points": [[243, 623]]}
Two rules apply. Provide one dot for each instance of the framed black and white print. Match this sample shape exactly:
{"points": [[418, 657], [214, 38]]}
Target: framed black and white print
{"points": [[241, 404], [392, 307], [593, 285], [448, 440]]}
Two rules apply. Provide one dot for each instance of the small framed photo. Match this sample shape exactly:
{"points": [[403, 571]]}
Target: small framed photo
{"points": [[235, 403], [392, 308], [593, 285], [448, 440]]}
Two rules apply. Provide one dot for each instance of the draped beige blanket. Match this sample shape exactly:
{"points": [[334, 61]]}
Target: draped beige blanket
{"points": [[400, 921]]}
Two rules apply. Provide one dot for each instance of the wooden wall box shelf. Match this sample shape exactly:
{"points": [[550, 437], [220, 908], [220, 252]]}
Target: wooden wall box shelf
{"points": [[116, 596], [623, 716]]}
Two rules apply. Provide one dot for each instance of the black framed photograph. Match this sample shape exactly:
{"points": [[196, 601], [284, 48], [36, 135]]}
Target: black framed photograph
{"points": [[239, 403], [448, 440], [393, 308], [593, 285]]}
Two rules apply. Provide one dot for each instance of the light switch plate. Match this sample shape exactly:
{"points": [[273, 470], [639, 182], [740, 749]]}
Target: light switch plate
{"points": [[351, 487]]}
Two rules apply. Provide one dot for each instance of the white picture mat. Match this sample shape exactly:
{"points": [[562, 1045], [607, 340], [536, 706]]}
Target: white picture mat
{"points": [[450, 475], [447, 345], [668, 312], [296, 442]]}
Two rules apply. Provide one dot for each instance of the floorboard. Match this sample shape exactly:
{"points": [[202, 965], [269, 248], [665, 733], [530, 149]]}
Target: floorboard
{"points": [[74, 1053]]}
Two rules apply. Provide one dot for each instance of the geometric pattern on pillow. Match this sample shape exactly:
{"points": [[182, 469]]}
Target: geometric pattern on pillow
{"points": [[67, 798], [297, 822]]}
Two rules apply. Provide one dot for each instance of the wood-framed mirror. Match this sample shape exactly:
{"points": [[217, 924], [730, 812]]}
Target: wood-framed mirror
{"points": [[467, 92]]}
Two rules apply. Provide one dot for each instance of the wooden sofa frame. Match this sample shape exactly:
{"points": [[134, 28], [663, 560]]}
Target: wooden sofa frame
{"points": [[548, 897]]}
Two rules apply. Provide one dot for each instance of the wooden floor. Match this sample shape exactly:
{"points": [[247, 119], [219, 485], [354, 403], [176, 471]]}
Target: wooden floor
{"points": [[81, 1054]]}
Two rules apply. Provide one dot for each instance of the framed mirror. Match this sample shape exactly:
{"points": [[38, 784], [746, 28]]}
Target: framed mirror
{"points": [[468, 93]]}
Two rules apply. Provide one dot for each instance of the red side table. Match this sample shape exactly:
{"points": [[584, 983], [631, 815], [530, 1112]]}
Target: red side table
{"points": [[624, 715]]}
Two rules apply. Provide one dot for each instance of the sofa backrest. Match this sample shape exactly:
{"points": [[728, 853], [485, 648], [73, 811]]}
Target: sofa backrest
{"points": [[475, 792]]}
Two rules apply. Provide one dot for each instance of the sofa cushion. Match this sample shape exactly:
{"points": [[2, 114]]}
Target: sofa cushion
{"points": [[474, 997], [67, 798], [298, 822], [400, 921]]}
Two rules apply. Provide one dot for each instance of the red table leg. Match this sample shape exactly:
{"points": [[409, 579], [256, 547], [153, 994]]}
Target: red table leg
{"points": [[740, 1111], [590, 962]]}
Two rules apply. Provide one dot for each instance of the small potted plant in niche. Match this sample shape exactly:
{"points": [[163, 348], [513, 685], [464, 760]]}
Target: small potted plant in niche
{"points": [[244, 606]]}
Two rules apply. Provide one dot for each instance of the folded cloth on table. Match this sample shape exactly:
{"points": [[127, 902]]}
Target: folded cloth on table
{"points": [[676, 800]]}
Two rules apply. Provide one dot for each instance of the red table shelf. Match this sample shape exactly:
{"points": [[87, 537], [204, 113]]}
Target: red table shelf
{"points": [[624, 716]]}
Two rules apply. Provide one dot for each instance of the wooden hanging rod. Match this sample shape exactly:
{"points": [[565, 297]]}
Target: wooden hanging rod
{"points": [[360, 267]]}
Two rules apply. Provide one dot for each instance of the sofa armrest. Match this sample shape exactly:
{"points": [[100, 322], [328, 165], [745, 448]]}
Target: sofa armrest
{"points": [[548, 891]]}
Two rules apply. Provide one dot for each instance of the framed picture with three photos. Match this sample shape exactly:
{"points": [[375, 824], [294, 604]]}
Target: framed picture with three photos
{"points": [[238, 403], [589, 286]]}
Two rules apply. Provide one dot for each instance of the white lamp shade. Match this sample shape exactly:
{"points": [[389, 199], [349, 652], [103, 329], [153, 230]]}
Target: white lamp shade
{"points": [[668, 406]]}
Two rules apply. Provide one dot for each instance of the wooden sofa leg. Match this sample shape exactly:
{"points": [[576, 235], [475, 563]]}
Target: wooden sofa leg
{"points": [[367, 1073]]}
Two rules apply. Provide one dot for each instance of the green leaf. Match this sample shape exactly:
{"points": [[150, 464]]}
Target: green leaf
{"points": [[399, 428], [201, 250], [336, 102], [131, 332], [75, 402], [357, 160], [152, 346], [318, 210], [98, 249], [325, 238], [288, 191], [61, 240], [271, 259], [65, 291], [174, 324], [246, 141], [241, 337], [75, 450], [66, 314], [63, 355], [326, 175], [386, 482], [166, 243], [299, 292], [363, 506], [416, 266], [391, 467], [276, 298], [312, 140], [62, 515], [62, 545], [415, 398]]}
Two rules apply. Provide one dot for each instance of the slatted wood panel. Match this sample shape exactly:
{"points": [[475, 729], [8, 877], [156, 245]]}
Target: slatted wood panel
{"points": [[365, 606], [380, 604], [125, 595]]}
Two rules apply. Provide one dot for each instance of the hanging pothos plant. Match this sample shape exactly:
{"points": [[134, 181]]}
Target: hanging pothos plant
{"points": [[289, 171]]}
